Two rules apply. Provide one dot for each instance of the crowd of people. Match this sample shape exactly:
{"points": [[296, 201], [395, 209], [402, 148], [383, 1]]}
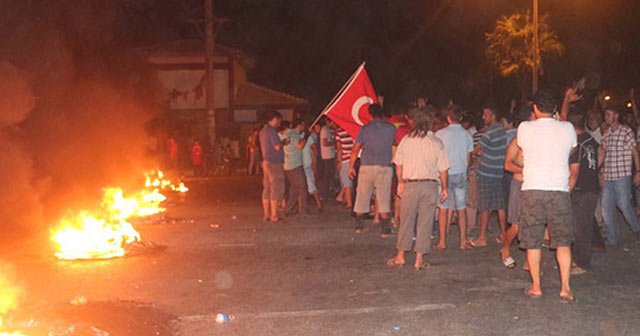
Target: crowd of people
{"points": [[553, 172]]}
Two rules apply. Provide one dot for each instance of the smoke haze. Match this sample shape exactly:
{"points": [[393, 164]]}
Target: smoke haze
{"points": [[72, 115]]}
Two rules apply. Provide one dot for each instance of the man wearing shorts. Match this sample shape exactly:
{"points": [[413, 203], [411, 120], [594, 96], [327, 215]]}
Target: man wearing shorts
{"points": [[273, 167], [546, 144], [491, 149], [375, 139], [513, 162], [459, 146]]}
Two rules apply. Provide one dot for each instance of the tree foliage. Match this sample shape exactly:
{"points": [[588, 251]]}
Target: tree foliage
{"points": [[510, 45]]}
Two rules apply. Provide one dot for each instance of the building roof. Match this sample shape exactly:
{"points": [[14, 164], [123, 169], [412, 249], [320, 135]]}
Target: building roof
{"points": [[194, 48], [254, 94]]}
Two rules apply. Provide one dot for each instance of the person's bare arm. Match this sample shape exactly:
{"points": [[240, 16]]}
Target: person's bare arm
{"points": [[574, 170], [314, 155], [352, 162], [512, 162], [444, 178], [570, 96], [601, 155], [400, 179], [301, 143]]}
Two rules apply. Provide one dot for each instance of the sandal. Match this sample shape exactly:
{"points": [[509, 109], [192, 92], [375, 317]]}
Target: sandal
{"points": [[533, 296], [568, 298], [509, 263], [392, 262], [473, 243], [422, 266]]}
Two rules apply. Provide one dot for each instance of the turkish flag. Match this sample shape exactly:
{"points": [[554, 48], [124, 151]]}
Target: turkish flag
{"points": [[350, 108]]}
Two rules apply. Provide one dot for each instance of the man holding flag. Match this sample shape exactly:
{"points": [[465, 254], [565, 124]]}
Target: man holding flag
{"points": [[375, 139], [374, 136]]}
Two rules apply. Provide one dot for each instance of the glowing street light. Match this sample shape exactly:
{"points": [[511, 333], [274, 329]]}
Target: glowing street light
{"points": [[607, 98]]}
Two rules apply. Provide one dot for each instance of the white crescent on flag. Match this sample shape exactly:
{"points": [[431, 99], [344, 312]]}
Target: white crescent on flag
{"points": [[355, 110], [349, 108]]}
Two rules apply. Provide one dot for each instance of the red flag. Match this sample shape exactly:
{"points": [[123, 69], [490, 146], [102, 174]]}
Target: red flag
{"points": [[350, 108]]}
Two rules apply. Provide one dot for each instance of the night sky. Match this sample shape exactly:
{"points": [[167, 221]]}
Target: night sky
{"points": [[310, 47]]}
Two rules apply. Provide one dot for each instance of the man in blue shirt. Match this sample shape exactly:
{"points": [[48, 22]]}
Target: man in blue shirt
{"points": [[491, 148], [459, 146], [272, 165], [375, 139]]}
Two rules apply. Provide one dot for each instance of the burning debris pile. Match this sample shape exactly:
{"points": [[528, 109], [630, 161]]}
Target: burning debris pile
{"points": [[107, 232]]}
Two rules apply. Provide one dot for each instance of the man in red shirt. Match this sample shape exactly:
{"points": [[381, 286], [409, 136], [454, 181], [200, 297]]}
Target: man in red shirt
{"points": [[196, 157]]}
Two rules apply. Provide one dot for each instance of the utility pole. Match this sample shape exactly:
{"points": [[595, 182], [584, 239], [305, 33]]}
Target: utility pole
{"points": [[536, 48], [209, 43]]}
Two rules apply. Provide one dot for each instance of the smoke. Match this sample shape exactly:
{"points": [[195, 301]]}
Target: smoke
{"points": [[73, 110], [19, 202]]}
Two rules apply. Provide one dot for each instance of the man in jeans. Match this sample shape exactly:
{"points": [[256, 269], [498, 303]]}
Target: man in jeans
{"points": [[546, 144], [585, 190], [375, 140], [272, 165], [459, 145], [617, 150]]}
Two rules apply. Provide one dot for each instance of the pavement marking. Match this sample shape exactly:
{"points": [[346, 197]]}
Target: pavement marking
{"points": [[328, 312]]}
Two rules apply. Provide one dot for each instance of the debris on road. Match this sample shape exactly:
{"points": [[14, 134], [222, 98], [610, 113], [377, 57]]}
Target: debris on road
{"points": [[223, 318]]}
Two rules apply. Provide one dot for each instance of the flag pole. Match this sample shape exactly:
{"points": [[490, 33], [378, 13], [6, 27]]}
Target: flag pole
{"points": [[337, 94]]}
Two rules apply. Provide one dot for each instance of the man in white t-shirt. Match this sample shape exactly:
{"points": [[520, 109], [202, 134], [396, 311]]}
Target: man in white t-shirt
{"points": [[546, 145], [328, 155]]}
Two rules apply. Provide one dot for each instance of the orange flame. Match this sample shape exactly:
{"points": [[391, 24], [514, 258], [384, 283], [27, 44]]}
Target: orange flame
{"points": [[156, 179], [9, 294], [107, 232]]}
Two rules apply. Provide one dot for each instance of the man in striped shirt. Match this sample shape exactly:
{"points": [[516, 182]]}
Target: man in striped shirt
{"points": [[491, 148], [344, 144]]}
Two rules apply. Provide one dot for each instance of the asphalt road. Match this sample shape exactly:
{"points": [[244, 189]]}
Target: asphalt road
{"points": [[313, 276]]}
